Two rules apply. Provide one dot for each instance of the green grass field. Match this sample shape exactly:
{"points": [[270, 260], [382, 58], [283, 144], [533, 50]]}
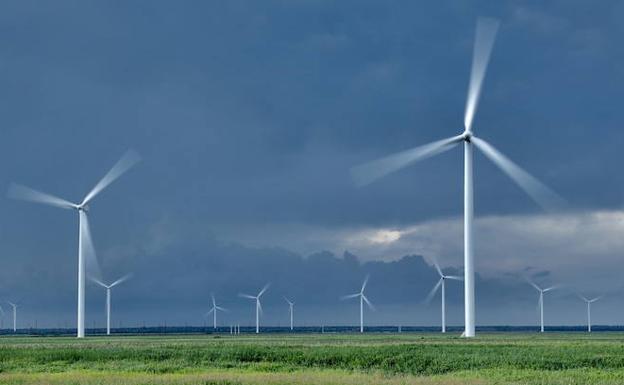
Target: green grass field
{"points": [[507, 358]]}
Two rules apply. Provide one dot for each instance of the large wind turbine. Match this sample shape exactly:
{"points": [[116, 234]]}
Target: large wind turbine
{"points": [[14, 306], [541, 301], [214, 310], [589, 302], [369, 172], [291, 310], [85, 242], [258, 305], [441, 283], [362, 300], [108, 296]]}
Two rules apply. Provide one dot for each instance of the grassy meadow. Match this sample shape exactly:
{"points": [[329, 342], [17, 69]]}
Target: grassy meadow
{"points": [[505, 358]]}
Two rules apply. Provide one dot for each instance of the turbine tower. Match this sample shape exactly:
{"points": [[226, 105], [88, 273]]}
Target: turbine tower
{"points": [[541, 301], [108, 297], [86, 252], [214, 310], [291, 306], [441, 283], [369, 172], [589, 302], [14, 306], [258, 305], [362, 300]]}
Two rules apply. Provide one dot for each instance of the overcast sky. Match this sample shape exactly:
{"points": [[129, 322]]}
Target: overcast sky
{"points": [[248, 117]]}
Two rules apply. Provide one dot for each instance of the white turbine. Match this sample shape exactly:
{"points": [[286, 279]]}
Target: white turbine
{"points": [[362, 300], [108, 297], [86, 249], [291, 310], [369, 172], [214, 310], [14, 306], [258, 305], [541, 301], [589, 302], [441, 283]]}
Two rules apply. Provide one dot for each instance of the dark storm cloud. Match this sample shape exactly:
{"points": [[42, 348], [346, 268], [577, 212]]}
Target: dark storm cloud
{"points": [[251, 114]]}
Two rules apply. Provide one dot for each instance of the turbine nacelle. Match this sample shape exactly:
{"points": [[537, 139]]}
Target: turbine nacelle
{"points": [[83, 207], [466, 136]]}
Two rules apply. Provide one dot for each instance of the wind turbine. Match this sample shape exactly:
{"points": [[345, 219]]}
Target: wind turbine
{"points": [[589, 302], [14, 306], [86, 249], [291, 306], [214, 310], [258, 305], [362, 300], [108, 296], [441, 283], [541, 301], [369, 172]]}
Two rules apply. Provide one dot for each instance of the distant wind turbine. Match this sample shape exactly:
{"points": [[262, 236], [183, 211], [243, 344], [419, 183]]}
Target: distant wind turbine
{"points": [[541, 301], [14, 306], [441, 283], [369, 172], [291, 306], [108, 297], [362, 300], [214, 310], [258, 305], [589, 302], [86, 249]]}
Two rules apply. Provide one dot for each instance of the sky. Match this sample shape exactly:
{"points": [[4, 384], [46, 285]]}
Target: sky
{"points": [[248, 117]]}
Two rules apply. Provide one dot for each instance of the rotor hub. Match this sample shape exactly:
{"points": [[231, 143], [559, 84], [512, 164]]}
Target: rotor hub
{"points": [[466, 136]]}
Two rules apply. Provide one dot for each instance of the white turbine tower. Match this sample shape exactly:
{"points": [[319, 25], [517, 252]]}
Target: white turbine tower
{"points": [[14, 306], [291, 310], [441, 283], [214, 310], [258, 305], [86, 251], [362, 300], [108, 297], [589, 302], [541, 301], [369, 172]]}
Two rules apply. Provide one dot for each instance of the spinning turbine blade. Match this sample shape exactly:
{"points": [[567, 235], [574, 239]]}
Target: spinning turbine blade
{"points": [[544, 196], [129, 159], [260, 307], [369, 172], [551, 288], [370, 305], [92, 265], [364, 284], [454, 277], [221, 308], [264, 289], [97, 281], [247, 296], [121, 280], [484, 40], [350, 296], [18, 191], [437, 266], [533, 284], [433, 291], [595, 299]]}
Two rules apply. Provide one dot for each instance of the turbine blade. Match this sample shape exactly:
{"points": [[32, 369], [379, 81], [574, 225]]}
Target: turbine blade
{"points": [[544, 196], [582, 297], [97, 281], [210, 311], [551, 288], [121, 280], [369, 172], [88, 250], [349, 296], [437, 266], [20, 192], [214, 303], [370, 305], [221, 308], [364, 284], [264, 289], [433, 291], [530, 282], [129, 159], [595, 299], [260, 307], [454, 277], [484, 41], [246, 296]]}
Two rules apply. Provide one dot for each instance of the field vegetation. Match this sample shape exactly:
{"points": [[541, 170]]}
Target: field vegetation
{"points": [[505, 358]]}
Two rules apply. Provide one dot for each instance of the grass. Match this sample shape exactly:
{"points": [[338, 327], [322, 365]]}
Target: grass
{"points": [[428, 359]]}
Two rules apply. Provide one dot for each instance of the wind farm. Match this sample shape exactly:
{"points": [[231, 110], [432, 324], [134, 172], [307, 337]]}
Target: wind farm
{"points": [[287, 190]]}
